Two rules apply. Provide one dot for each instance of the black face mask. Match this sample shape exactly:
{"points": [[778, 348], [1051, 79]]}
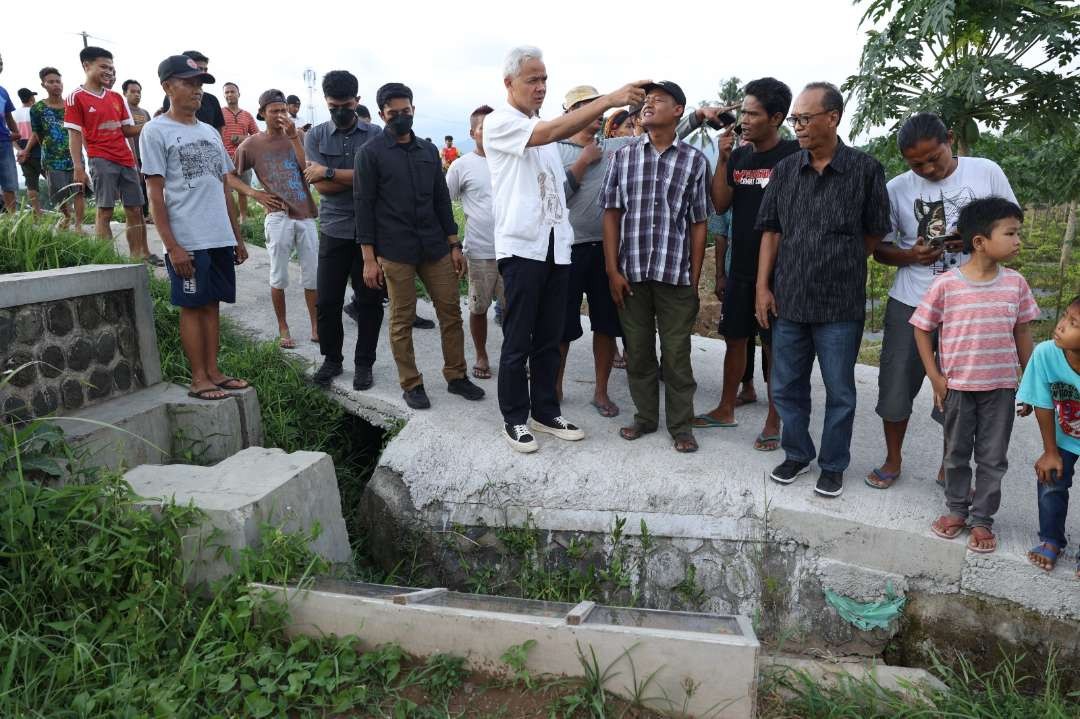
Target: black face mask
{"points": [[400, 124], [343, 116]]}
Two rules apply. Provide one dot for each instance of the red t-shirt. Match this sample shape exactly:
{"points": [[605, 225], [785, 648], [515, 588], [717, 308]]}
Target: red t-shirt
{"points": [[449, 154], [100, 118]]}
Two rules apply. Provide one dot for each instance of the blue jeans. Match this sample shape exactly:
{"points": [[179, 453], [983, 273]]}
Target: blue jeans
{"points": [[1054, 503], [836, 347], [9, 170]]}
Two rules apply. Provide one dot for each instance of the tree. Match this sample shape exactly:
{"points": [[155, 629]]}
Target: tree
{"points": [[1003, 63]]}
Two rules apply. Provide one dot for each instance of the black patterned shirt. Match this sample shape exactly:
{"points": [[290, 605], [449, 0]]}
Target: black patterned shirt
{"points": [[820, 271], [662, 195]]}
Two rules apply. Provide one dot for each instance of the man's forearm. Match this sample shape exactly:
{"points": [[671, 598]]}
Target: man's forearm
{"points": [[721, 252], [131, 130], [698, 238], [230, 207], [369, 253], [770, 244], [564, 126], [75, 147], [155, 192], [32, 142], [926, 351], [1025, 345], [1047, 429], [721, 191], [329, 187], [887, 253], [233, 181], [871, 243], [612, 220]]}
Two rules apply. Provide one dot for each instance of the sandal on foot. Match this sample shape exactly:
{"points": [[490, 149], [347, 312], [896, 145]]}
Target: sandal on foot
{"points": [[767, 442], [1046, 551], [606, 410], [704, 421], [481, 372], [286, 343], [619, 362], [685, 443], [232, 383], [740, 401], [635, 431], [205, 394], [948, 527], [980, 534], [880, 479]]}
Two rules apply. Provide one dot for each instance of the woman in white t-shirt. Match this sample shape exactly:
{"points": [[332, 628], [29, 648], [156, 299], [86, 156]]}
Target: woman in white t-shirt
{"points": [[925, 202]]}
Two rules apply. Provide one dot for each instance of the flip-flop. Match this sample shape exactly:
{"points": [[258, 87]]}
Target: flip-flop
{"points": [[703, 421], [739, 401], [690, 445], [1047, 551], [286, 343], [481, 372], [974, 540], [884, 479], [610, 410], [763, 441], [948, 531], [202, 394], [230, 383], [619, 362], [634, 431]]}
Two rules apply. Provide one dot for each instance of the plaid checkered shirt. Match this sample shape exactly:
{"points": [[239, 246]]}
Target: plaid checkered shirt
{"points": [[662, 195]]}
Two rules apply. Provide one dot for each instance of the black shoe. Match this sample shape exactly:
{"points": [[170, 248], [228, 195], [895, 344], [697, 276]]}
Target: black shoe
{"points": [[518, 437], [416, 397], [325, 374], [421, 324], [788, 470], [362, 379], [352, 312], [830, 484], [462, 386], [155, 261]]}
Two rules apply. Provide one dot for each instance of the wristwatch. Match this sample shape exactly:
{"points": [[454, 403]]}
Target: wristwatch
{"points": [[329, 174]]}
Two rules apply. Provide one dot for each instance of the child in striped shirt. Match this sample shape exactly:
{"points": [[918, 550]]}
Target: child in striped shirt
{"points": [[983, 311]]}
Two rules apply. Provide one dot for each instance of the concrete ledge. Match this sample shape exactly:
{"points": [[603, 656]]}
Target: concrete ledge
{"points": [[906, 680], [720, 666], [23, 288], [254, 487]]}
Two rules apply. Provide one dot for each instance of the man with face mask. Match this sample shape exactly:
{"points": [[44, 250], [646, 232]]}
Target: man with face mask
{"points": [[331, 148], [405, 226]]}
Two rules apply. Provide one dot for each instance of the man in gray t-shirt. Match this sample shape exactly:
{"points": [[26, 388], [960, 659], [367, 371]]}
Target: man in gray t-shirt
{"points": [[586, 161], [185, 166]]}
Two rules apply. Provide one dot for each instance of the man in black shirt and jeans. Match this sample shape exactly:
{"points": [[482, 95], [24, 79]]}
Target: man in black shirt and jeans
{"points": [[739, 183], [405, 227], [824, 212], [331, 149]]}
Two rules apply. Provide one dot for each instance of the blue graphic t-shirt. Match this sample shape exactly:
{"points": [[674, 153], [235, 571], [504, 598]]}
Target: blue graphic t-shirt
{"points": [[1051, 383], [6, 106]]}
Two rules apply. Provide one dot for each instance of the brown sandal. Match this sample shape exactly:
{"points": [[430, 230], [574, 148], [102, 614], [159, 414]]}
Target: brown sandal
{"points": [[981, 534], [948, 527], [635, 431]]}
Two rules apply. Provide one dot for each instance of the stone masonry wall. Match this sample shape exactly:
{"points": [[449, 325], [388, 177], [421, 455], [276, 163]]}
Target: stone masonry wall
{"points": [[85, 350]]}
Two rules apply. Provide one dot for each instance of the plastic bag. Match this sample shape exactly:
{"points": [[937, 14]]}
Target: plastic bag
{"points": [[870, 615]]}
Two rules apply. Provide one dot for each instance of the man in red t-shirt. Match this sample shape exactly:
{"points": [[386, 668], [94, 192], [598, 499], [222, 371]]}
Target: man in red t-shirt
{"points": [[239, 126], [449, 153], [100, 121]]}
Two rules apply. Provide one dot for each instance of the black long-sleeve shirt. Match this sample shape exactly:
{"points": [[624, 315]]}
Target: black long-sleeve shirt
{"points": [[402, 202]]}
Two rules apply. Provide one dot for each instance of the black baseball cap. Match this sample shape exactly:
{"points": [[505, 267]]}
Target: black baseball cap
{"points": [[270, 97], [183, 67], [26, 93], [292, 100], [670, 88]]}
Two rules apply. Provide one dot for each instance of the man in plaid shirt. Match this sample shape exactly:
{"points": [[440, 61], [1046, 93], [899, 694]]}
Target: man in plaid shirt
{"points": [[656, 205]]}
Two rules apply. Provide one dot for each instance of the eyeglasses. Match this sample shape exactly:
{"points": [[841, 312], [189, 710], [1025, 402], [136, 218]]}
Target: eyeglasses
{"points": [[796, 120]]}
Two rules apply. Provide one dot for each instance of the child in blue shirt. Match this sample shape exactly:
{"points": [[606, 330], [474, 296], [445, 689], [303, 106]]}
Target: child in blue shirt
{"points": [[1051, 385]]}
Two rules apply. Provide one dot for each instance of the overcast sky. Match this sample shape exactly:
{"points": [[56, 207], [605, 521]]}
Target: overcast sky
{"points": [[451, 59]]}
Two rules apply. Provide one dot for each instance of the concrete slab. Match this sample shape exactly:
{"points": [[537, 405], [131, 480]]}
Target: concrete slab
{"points": [[454, 466], [720, 666], [253, 487]]}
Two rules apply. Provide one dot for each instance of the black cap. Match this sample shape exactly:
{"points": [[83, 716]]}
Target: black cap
{"points": [[26, 93], [183, 67], [269, 97], [292, 100], [392, 90], [670, 88]]}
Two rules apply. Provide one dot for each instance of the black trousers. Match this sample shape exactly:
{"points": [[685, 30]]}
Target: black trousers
{"points": [[340, 259], [532, 327]]}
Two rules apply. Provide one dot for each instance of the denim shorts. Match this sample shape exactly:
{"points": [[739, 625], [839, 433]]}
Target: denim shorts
{"points": [[9, 169]]}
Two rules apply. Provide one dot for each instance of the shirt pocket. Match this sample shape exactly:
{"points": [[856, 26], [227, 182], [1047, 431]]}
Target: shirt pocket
{"points": [[424, 169], [333, 153]]}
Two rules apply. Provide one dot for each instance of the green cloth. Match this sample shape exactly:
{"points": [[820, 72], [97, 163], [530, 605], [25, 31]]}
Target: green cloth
{"points": [[671, 310], [868, 615]]}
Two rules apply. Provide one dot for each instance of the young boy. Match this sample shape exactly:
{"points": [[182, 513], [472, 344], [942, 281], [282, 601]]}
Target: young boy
{"points": [[1052, 385], [983, 311], [48, 131]]}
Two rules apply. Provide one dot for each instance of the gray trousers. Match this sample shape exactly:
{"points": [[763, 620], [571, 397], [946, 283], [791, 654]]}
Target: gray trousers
{"points": [[979, 423]]}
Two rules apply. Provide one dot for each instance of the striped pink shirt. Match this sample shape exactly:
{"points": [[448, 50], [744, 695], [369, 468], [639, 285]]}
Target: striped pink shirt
{"points": [[977, 349]]}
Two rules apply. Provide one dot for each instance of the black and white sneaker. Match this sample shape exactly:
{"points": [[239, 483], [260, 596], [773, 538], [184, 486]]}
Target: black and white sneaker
{"points": [[558, 427], [518, 437], [830, 484], [788, 470]]}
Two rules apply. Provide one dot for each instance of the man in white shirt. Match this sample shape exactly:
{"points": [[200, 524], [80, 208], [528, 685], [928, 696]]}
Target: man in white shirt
{"points": [[532, 241], [469, 182], [925, 203]]}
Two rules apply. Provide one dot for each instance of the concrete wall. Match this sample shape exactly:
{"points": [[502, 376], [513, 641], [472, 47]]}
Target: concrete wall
{"points": [[81, 336]]}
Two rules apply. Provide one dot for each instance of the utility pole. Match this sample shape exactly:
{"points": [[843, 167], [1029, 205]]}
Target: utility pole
{"points": [[309, 79], [84, 35]]}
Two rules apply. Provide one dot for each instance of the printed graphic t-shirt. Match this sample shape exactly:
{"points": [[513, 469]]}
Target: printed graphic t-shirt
{"points": [[48, 123], [921, 208], [1050, 382], [274, 161], [100, 118], [193, 162]]}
